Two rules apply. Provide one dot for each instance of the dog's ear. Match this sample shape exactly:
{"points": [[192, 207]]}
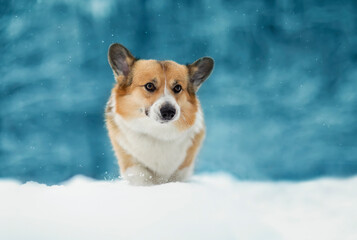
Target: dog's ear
{"points": [[199, 71], [121, 61]]}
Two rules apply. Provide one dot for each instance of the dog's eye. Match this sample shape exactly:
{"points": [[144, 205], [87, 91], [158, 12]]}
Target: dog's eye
{"points": [[177, 88], [150, 87]]}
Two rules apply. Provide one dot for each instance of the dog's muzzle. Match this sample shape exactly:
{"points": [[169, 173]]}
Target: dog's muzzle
{"points": [[167, 112]]}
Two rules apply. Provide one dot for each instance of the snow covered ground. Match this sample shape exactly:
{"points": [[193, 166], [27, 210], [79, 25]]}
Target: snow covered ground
{"points": [[209, 207]]}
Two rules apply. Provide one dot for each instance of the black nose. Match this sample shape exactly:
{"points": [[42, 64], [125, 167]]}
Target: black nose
{"points": [[167, 112]]}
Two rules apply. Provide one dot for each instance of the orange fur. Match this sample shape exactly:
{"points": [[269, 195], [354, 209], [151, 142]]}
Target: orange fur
{"points": [[193, 150], [124, 159]]}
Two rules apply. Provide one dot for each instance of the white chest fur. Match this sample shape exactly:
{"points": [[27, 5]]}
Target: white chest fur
{"points": [[160, 148]]}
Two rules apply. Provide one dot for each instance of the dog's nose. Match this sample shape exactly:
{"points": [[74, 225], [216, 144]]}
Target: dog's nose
{"points": [[167, 112]]}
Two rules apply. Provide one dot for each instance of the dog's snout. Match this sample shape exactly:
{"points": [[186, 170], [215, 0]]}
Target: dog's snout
{"points": [[167, 112]]}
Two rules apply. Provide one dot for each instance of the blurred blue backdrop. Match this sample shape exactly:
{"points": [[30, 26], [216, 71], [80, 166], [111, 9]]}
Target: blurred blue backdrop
{"points": [[281, 103]]}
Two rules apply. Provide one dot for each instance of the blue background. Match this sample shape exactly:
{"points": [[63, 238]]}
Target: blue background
{"points": [[281, 103]]}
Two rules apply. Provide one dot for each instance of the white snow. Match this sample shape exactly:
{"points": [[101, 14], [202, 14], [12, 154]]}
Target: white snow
{"points": [[209, 207]]}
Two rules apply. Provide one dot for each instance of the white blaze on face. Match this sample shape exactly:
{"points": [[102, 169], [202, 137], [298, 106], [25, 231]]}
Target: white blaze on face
{"points": [[164, 100]]}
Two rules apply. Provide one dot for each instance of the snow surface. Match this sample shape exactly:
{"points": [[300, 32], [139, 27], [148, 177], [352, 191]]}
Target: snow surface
{"points": [[209, 207]]}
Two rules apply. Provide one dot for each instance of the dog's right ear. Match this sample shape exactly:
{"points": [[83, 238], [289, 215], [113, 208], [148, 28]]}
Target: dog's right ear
{"points": [[121, 61]]}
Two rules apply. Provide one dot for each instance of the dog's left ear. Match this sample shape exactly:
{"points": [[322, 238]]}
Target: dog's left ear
{"points": [[199, 71], [121, 61]]}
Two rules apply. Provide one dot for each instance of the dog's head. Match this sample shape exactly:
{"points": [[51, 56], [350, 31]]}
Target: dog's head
{"points": [[161, 92]]}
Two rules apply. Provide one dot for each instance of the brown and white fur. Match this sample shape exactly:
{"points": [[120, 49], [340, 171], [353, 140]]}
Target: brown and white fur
{"points": [[154, 117]]}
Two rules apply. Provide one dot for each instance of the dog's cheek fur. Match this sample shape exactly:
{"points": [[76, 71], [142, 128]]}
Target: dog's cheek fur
{"points": [[133, 101], [128, 106], [188, 105]]}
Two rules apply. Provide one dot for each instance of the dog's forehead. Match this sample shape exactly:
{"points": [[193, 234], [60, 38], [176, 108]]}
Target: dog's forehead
{"points": [[147, 70], [175, 71]]}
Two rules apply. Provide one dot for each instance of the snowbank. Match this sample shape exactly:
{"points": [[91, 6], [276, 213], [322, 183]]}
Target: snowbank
{"points": [[210, 207]]}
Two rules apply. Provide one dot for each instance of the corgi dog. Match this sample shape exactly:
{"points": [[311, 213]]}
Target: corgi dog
{"points": [[153, 116]]}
